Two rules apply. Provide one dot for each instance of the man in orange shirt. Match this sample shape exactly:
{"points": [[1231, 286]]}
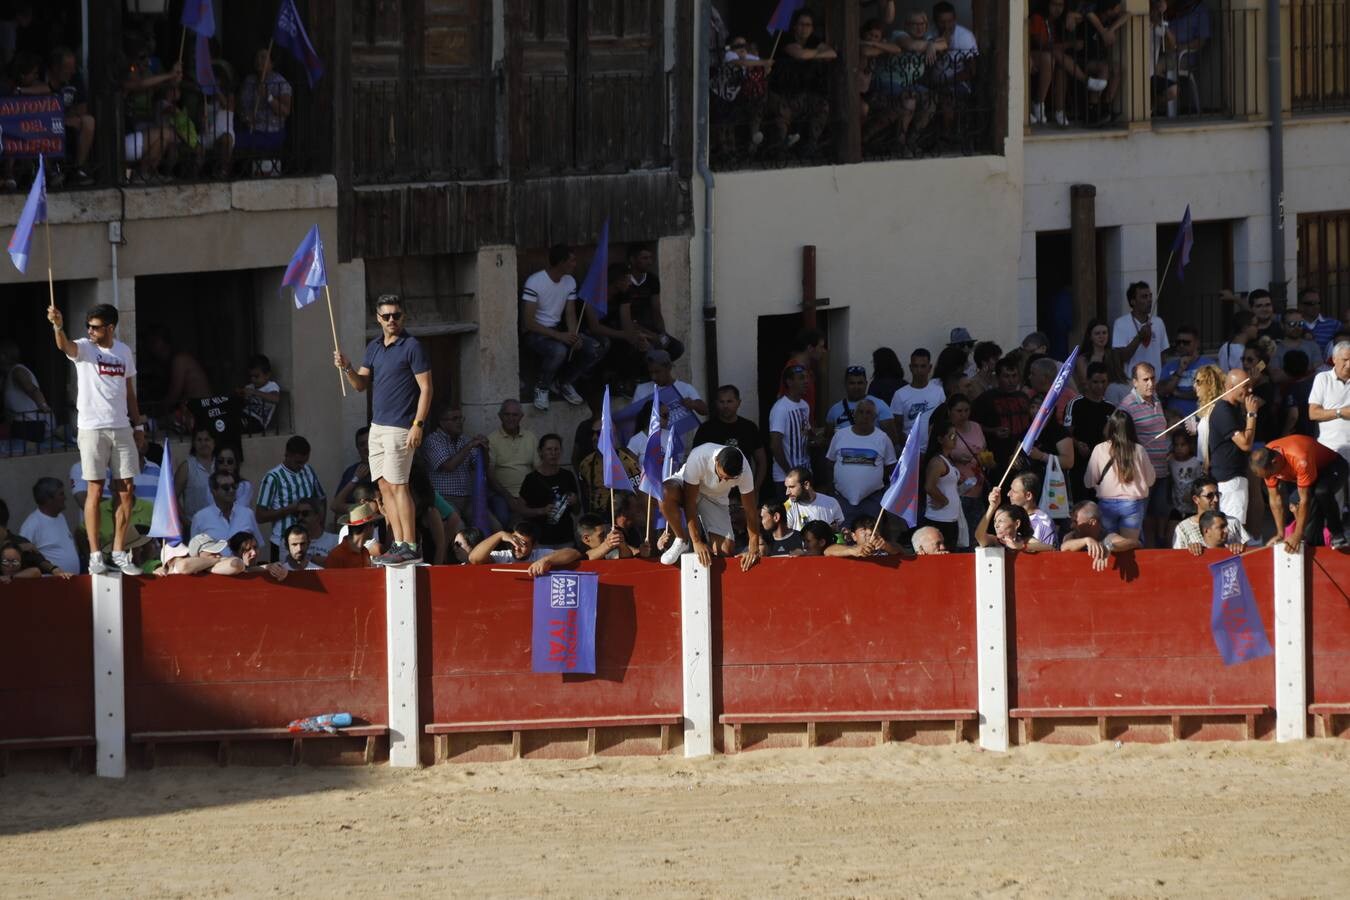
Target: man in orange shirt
{"points": [[351, 552], [1319, 473]]}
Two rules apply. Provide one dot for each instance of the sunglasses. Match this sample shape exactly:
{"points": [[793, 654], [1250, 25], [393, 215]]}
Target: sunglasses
{"points": [[1213, 496], [11, 562], [226, 487], [391, 317], [90, 326]]}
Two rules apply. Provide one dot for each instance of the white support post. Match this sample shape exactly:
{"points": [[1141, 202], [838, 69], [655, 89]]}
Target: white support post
{"points": [[400, 591], [696, 641], [1291, 676], [991, 632], [110, 719]]}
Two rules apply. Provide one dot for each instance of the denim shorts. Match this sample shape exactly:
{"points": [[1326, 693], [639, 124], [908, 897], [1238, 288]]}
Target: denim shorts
{"points": [[1122, 514]]}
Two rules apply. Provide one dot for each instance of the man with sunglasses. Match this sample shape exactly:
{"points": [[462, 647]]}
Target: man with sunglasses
{"points": [[225, 517], [108, 413], [1188, 536], [397, 371], [1176, 381]]}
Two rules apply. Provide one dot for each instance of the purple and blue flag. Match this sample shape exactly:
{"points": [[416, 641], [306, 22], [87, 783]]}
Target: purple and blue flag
{"points": [[34, 211], [165, 521], [1234, 619], [781, 20], [306, 272], [1048, 404], [616, 476], [200, 17], [902, 494], [563, 636], [653, 458], [1184, 240], [480, 491], [595, 289], [290, 34]]}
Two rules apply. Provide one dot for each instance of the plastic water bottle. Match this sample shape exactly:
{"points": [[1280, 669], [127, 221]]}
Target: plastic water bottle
{"points": [[329, 722], [967, 483]]}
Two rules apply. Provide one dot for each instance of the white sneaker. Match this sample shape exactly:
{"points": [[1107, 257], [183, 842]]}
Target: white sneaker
{"points": [[122, 561], [1096, 85], [96, 564], [541, 399], [1037, 113], [678, 547], [1061, 120], [570, 394]]}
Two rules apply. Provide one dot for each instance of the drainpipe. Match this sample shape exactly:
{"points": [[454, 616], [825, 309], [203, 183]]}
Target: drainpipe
{"points": [[1275, 91], [703, 65]]}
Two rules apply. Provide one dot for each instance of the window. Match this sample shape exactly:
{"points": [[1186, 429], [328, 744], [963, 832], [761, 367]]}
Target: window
{"points": [[1324, 258]]}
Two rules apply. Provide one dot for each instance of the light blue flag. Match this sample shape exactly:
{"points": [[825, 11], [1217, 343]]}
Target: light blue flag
{"points": [[34, 211], [653, 457], [616, 476], [166, 522], [902, 495], [306, 272]]}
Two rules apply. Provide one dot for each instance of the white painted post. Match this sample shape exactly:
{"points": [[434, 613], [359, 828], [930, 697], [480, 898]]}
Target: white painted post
{"points": [[400, 591], [1291, 684], [110, 718], [991, 631], [696, 640]]}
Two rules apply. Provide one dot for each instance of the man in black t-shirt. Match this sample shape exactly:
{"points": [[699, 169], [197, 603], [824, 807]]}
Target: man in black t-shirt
{"points": [[1232, 431], [799, 86], [1085, 417], [779, 540], [62, 80], [730, 430]]}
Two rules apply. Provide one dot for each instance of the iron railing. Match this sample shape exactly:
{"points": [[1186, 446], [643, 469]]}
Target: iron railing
{"points": [[423, 129], [1319, 55], [1206, 64]]}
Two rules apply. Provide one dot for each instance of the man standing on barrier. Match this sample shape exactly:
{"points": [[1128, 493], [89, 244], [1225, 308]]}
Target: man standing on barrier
{"points": [[398, 371], [1319, 473]]}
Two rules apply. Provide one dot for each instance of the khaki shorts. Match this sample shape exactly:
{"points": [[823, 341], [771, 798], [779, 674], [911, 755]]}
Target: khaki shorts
{"points": [[104, 449], [390, 457]]}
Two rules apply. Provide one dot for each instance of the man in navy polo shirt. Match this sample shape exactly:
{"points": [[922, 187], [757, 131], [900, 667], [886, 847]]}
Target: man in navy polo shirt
{"points": [[398, 372]]}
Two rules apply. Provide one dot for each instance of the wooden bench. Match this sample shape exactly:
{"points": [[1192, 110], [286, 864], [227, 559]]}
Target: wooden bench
{"points": [[76, 744], [1026, 717], [1324, 717], [441, 731], [732, 722], [223, 740]]}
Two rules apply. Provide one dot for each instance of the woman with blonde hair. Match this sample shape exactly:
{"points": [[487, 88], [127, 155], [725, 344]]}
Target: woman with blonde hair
{"points": [[1208, 385]]}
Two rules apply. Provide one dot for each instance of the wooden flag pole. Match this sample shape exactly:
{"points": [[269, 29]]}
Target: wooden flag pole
{"points": [[1157, 296], [1196, 414], [774, 52], [182, 42], [612, 515], [51, 287], [262, 85], [342, 378], [1012, 462]]}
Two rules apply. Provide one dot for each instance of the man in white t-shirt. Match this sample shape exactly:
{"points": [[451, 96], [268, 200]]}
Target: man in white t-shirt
{"points": [[806, 504], [110, 423], [1139, 333], [921, 395], [790, 426], [1329, 402], [862, 455], [47, 527], [697, 506], [843, 414], [548, 322]]}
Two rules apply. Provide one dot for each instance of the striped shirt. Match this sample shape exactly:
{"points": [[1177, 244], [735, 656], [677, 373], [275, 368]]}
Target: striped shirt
{"points": [[437, 450], [1149, 422], [281, 487]]}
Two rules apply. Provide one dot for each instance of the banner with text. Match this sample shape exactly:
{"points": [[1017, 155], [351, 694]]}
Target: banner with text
{"points": [[564, 623], [30, 126], [1238, 630]]}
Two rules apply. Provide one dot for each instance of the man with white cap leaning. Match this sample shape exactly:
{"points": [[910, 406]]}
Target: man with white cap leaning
{"points": [[200, 555]]}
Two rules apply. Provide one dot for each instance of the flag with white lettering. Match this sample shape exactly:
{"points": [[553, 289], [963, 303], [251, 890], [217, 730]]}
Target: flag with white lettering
{"points": [[564, 623], [1238, 630]]}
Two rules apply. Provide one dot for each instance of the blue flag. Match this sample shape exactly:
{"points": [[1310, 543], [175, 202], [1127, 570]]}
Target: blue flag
{"points": [[595, 289], [206, 77], [654, 458], [672, 447], [165, 521], [902, 495], [480, 489], [34, 211], [1048, 404], [290, 34], [563, 637], [306, 271], [200, 17], [1238, 630], [1184, 240], [781, 20], [616, 476]]}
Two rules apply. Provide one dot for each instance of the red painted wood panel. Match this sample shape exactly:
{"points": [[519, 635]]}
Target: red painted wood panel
{"points": [[474, 633], [826, 635], [46, 664], [1135, 635], [1329, 627], [222, 653]]}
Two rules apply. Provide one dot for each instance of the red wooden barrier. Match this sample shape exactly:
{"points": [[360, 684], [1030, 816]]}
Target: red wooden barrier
{"points": [[1328, 620], [820, 641], [1131, 643], [215, 654], [46, 667], [476, 683]]}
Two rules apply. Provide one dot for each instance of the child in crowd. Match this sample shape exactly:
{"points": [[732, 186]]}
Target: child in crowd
{"points": [[261, 395], [816, 536], [1185, 466]]}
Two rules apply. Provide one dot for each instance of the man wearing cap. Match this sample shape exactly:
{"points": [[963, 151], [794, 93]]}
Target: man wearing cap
{"points": [[224, 518], [201, 555], [351, 552], [397, 371], [843, 414], [297, 558], [961, 339]]}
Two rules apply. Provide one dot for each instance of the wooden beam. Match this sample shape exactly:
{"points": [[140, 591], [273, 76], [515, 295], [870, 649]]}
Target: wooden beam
{"points": [[848, 123]]}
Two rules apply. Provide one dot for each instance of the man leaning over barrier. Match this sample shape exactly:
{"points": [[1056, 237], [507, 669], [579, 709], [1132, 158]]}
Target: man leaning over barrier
{"points": [[697, 506], [1088, 535], [1318, 473]]}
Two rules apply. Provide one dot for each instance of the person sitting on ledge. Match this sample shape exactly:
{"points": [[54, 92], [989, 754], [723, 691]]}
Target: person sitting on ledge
{"points": [[244, 546], [1088, 534]]}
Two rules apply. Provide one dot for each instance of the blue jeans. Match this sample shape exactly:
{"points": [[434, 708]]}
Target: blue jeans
{"points": [[554, 363], [1122, 515]]}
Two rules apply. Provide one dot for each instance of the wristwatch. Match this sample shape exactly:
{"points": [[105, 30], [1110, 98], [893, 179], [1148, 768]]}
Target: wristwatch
{"points": [[419, 423]]}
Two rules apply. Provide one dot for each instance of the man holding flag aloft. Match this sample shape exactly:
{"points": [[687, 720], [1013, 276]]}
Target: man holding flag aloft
{"points": [[397, 371]]}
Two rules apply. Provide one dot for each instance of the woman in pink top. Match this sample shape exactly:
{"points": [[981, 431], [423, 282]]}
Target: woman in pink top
{"points": [[971, 455], [1120, 471]]}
